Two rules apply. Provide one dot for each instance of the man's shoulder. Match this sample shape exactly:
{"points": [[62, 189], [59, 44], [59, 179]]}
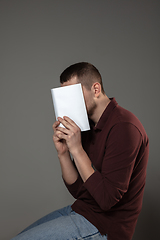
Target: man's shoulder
{"points": [[121, 116]]}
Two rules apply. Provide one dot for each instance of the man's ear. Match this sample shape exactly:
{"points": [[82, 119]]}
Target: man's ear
{"points": [[96, 88]]}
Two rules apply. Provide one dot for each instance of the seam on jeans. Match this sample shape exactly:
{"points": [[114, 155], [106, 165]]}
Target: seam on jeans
{"points": [[77, 229], [92, 235], [89, 236], [86, 237]]}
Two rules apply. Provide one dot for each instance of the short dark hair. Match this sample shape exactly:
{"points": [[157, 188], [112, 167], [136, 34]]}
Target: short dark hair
{"points": [[86, 74]]}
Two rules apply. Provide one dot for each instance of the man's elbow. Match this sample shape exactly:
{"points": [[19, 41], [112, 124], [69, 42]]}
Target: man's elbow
{"points": [[108, 202]]}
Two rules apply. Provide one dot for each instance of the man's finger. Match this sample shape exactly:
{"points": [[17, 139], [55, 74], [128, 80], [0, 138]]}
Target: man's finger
{"points": [[61, 135], [55, 125], [63, 130], [70, 121], [65, 123]]}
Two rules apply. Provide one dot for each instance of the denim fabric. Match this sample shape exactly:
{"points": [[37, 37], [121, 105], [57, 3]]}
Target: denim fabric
{"points": [[63, 224]]}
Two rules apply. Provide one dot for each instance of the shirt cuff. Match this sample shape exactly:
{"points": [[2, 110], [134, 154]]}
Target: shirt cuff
{"points": [[74, 187]]}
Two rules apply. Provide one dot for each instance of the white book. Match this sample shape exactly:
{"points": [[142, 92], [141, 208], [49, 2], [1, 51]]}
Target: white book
{"points": [[69, 101]]}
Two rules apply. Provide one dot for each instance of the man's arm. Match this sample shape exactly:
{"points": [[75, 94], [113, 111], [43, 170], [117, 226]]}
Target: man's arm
{"points": [[108, 185], [71, 134], [69, 171]]}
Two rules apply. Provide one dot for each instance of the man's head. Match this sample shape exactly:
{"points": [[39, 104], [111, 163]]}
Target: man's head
{"points": [[85, 73], [90, 78]]}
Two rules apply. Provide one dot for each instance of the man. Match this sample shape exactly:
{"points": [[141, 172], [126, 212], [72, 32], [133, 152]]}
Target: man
{"points": [[107, 171]]}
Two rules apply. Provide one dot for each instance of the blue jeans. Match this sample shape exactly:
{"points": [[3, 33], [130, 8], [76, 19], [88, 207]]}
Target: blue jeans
{"points": [[63, 224]]}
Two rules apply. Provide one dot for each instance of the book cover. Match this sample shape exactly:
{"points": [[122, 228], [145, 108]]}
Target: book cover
{"points": [[69, 101]]}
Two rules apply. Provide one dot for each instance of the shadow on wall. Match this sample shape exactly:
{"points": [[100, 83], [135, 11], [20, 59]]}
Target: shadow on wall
{"points": [[147, 225]]}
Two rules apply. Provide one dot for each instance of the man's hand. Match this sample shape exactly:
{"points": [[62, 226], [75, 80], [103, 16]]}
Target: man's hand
{"points": [[71, 134], [69, 172], [67, 140], [60, 144]]}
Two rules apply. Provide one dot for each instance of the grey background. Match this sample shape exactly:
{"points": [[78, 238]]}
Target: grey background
{"points": [[38, 40]]}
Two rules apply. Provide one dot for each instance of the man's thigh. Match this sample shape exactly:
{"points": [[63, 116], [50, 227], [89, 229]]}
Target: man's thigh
{"points": [[72, 226], [65, 211]]}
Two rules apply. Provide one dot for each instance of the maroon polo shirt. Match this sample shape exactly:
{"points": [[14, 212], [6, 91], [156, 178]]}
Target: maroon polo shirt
{"points": [[111, 198]]}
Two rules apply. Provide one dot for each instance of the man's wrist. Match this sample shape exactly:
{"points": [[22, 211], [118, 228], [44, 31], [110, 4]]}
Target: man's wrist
{"points": [[77, 151], [63, 155]]}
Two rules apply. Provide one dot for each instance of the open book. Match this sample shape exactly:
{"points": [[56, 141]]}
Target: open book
{"points": [[69, 101]]}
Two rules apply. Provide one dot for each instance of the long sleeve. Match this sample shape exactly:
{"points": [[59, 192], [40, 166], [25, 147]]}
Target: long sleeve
{"points": [[111, 198], [109, 185], [74, 188]]}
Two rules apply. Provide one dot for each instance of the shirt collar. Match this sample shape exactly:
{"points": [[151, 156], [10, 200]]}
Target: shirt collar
{"points": [[105, 114]]}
